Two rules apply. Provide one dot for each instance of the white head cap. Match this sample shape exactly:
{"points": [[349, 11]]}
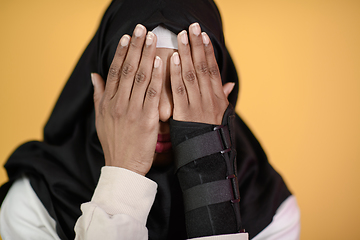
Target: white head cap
{"points": [[165, 38]]}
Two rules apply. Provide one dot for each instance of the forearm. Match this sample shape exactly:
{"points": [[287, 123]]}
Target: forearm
{"points": [[206, 161]]}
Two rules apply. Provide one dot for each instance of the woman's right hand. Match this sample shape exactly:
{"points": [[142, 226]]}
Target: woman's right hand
{"points": [[126, 108]]}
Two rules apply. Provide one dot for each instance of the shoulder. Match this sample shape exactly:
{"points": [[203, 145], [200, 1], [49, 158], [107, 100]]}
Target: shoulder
{"points": [[23, 216]]}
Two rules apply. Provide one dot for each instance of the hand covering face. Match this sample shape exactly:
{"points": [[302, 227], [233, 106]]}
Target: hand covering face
{"points": [[65, 167]]}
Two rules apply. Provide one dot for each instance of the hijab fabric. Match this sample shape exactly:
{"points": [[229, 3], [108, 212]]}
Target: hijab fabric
{"points": [[65, 167]]}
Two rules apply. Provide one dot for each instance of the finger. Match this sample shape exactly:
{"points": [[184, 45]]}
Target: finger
{"points": [[99, 88], [227, 88], [213, 68], [131, 63], [152, 97], [115, 67], [143, 74], [187, 70], [200, 61], [178, 88]]}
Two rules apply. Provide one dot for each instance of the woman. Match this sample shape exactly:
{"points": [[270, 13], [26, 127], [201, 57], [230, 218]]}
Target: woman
{"points": [[64, 169]]}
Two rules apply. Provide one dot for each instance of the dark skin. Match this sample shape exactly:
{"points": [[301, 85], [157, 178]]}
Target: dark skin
{"points": [[146, 86]]}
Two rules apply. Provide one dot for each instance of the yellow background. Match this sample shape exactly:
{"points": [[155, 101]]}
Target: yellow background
{"points": [[299, 63]]}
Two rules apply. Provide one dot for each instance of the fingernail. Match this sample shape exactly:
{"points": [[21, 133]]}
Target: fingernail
{"points": [[124, 41], [157, 62], [205, 38], [92, 79], [139, 30], [149, 38], [184, 38], [195, 28], [232, 86], [176, 58]]}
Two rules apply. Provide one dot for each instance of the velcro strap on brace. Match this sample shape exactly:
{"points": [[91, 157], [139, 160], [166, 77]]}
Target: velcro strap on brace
{"points": [[216, 141], [207, 194]]}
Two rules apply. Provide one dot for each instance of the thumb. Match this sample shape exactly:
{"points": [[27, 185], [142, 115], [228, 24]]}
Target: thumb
{"points": [[99, 88], [227, 88]]}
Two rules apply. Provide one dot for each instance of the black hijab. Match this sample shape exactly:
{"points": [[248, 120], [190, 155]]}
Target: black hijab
{"points": [[65, 167]]}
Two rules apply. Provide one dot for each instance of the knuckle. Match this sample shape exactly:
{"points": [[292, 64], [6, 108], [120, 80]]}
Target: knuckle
{"points": [[133, 44], [211, 106], [136, 44], [146, 53], [113, 72], [151, 93], [103, 107], [155, 75], [190, 76], [209, 50], [133, 117], [116, 114], [198, 43], [127, 69], [180, 90], [214, 71], [201, 68], [116, 111], [140, 77], [102, 110]]}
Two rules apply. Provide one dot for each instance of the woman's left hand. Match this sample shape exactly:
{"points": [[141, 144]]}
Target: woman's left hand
{"points": [[198, 93]]}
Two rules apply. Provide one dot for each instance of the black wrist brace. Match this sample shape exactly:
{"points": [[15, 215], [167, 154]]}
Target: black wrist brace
{"points": [[205, 160]]}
